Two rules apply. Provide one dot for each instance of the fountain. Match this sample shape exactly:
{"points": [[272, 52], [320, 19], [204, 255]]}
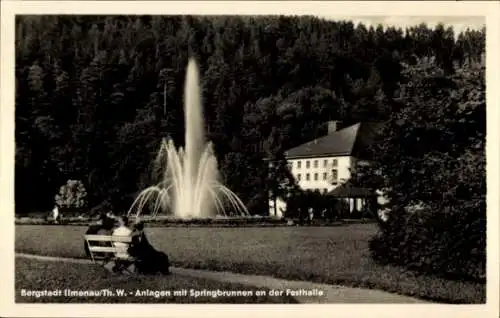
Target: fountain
{"points": [[189, 185]]}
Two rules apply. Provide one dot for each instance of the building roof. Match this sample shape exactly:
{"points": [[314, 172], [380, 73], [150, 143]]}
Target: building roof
{"points": [[348, 191], [348, 141]]}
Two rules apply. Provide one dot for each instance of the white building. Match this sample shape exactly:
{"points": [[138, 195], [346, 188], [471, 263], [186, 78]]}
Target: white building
{"points": [[325, 163]]}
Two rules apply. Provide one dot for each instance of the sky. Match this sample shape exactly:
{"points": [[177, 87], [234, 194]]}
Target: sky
{"points": [[459, 23]]}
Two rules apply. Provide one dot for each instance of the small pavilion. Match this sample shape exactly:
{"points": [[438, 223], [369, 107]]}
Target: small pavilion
{"points": [[358, 198]]}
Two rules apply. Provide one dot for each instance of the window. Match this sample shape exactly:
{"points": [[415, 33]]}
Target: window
{"points": [[315, 163], [307, 176], [335, 176], [325, 190], [299, 164], [307, 164], [325, 163], [325, 175], [335, 162], [298, 176], [315, 177], [290, 166]]}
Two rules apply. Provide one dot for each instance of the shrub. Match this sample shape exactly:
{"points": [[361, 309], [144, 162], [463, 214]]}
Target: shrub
{"points": [[451, 245], [72, 195], [431, 152], [229, 222]]}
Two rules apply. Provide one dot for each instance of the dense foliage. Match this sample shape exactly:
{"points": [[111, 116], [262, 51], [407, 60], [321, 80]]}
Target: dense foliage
{"points": [[431, 164], [95, 94]]}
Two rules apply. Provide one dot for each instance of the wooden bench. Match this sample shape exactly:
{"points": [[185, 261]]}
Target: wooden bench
{"points": [[104, 251]]}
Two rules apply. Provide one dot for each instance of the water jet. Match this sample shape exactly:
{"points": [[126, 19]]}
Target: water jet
{"points": [[189, 185]]}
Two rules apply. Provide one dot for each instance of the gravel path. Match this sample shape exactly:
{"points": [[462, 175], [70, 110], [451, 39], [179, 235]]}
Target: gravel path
{"points": [[304, 292]]}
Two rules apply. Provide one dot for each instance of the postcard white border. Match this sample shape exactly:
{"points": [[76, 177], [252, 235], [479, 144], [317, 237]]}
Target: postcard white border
{"points": [[328, 9]]}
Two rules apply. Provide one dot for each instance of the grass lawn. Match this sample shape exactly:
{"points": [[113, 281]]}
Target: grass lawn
{"points": [[336, 255], [42, 275]]}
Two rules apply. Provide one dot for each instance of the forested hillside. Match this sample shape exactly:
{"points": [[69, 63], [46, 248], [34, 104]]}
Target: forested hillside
{"points": [[95, 94]]}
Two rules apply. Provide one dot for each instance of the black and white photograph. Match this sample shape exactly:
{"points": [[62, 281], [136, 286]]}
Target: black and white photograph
{"points": [[231, 158]]}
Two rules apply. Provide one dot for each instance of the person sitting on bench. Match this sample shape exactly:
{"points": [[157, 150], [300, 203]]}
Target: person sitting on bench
{"points": [[104, 226], [122, 257], [148, 259]]}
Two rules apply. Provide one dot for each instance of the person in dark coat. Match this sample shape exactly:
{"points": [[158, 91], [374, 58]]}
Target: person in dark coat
{"points": [[148, 259], [104, 226]]}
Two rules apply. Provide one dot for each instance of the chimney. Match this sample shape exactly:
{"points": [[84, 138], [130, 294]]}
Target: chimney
{"points": [[332, 126]]}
